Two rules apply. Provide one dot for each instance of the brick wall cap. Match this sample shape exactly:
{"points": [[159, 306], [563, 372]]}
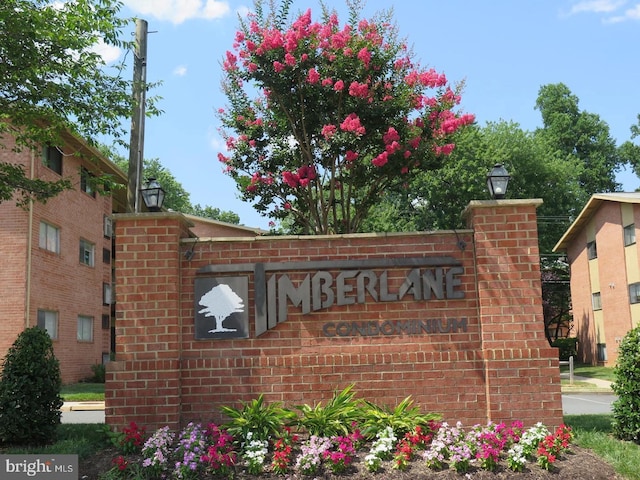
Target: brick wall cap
{"points": [[521, 202], [331, 237]]}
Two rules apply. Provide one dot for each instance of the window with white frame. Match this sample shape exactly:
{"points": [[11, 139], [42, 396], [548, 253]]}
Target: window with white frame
{"points": [[108, 227], [596, 300], [107, 295], [48, 320], [629, 234], [87, 252], [85, 328], [52, 159], [634, 293], [49, 237]]}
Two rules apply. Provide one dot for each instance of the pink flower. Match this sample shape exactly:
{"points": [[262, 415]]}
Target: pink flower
{"points": [[290, 60], [327, 82], [391, 136], [364, 56], [352, 124], [381, 160], [328, 131], [358, 89], [291, 179], [278, 67], [338, 86], [313, 76], [351, 156]]}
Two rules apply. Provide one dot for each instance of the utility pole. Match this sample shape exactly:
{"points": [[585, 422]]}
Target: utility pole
{"points": [[136, 144]]}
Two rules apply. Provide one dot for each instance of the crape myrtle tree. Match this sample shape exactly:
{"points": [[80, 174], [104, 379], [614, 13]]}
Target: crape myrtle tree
{"points": [[322, 119], [54, 80]]}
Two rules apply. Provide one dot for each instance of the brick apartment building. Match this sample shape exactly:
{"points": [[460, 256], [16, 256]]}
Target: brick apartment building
{"points": [[603, 255], [56, 257]]}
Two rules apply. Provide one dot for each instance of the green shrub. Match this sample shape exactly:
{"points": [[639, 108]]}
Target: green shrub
{"points": [[402, 419], [263, 420], [334, 418], [626, 409], [568, 347], [30, 391], [99, 373]]}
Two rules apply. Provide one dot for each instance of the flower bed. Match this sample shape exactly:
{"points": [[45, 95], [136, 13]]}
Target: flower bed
{"points": [[199, 451]]}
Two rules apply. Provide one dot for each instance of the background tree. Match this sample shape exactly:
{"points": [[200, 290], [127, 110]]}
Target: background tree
{"points": [[343, 115], [580, 136], [176, 197], [53, 80], [630, 152]]}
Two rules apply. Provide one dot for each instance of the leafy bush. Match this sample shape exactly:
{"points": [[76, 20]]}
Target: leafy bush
{"points": [[626, 409], [402, 419], [30, 391], [568, 347], [261, 419], [334, 418], [99, 373]]}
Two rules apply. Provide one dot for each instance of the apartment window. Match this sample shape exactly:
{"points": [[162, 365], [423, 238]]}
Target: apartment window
{"points": [[592, 252], [49, 237], [107, 298], [106, 322], [87, 250], [596, 301], [602, 352], [108, 227], [629, 234], [106, 256], [634, 293], [52, 158], [87, 182], [48, 320], [85, 328]]}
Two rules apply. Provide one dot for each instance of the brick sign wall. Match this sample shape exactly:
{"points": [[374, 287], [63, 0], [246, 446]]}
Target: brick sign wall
{"points": [[452, 319]]}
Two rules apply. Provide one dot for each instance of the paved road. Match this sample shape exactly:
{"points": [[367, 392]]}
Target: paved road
{"points": [[587, 403]]}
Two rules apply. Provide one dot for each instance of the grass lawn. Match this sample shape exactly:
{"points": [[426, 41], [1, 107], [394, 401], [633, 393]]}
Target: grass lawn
{"points": [[603, 373], [83, 392], [594, 432]]}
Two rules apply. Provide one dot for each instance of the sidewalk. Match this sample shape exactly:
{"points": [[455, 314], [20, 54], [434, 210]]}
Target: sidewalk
{"points": [[595, 384], [81, 406]]}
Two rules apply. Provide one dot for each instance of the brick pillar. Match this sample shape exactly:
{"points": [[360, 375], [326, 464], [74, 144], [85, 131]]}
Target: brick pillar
{"points": [[143, 383], [521, 369]]}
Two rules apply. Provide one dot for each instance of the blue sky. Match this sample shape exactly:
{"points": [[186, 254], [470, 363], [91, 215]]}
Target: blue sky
{"points": [[504, 50]]}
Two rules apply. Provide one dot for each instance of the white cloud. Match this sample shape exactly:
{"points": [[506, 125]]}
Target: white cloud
{"points": [[629, 14], [178, 11], [180, 71], [109, 53], [597, 6]]}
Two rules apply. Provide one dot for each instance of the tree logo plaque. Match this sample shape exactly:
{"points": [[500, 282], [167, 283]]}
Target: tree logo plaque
{"points": [[220, 308]]}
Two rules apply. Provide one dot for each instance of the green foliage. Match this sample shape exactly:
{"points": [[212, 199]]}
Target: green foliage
{"points": [[30, 390], [99, 373], [13, 180], [53, 81], [334, 418], [402, 419], [626, 409], [264, 420], [568, 347], [176, 197]]}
